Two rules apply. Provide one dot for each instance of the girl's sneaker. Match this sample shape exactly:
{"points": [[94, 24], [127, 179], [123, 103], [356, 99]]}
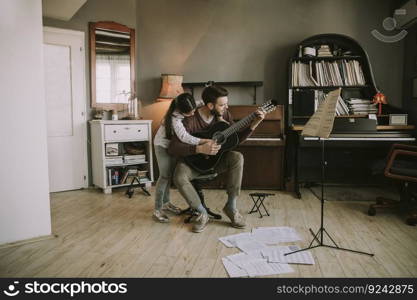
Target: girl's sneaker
{"points": [[171, 208], [160, 216]]}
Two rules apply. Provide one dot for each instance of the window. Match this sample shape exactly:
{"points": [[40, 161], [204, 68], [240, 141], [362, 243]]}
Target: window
{"points": [[113, 78]]}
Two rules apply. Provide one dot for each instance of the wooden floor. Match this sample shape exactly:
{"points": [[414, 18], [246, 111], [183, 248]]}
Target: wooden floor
{"points": [[112, 236]]}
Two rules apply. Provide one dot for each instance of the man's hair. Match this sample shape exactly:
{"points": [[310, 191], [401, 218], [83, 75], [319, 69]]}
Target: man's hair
{"points": [[212, 92]]}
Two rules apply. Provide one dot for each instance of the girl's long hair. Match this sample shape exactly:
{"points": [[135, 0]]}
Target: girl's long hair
{"points": [[184, 103]]}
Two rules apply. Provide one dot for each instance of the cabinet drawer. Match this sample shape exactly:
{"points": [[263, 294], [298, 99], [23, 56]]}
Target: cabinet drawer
{"points": [[125, 132]]}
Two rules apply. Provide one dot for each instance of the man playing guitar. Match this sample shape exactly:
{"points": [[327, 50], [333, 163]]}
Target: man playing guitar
{"points": [[231, 162]]}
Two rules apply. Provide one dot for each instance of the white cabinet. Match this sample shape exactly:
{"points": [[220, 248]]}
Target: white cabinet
{"points": [[118, 167]]}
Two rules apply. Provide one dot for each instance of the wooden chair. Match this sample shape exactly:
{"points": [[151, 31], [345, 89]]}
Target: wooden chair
{"points": [[401, 166]]}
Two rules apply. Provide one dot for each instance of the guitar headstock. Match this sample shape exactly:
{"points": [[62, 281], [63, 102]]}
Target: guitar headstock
{"points": [[268, 106]]}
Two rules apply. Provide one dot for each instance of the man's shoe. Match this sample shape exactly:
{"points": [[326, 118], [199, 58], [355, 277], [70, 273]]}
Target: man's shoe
{"points": [[160, 217], [236, 218], [171, 208], [200, 223]]}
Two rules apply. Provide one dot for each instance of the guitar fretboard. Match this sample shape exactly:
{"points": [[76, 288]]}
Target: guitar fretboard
{"points": [[235, 127]]}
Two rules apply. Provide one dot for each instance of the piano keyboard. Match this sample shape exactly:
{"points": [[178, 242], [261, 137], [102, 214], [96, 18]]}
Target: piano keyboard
{"points": [[263, 139], [377, 136], [399, 139]]}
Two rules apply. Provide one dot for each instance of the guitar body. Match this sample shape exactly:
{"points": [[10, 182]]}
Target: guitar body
{"points": [[224, 135], [203, 163]]}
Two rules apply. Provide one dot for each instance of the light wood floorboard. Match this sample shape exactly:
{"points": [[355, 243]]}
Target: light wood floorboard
{"points": [[100, 235]]}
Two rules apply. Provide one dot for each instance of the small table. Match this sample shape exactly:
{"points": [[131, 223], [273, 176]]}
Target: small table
{"points": [[258, 201]]}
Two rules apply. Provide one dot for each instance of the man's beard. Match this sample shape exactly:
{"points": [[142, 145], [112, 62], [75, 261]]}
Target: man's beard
{"points": [[215, 113]]}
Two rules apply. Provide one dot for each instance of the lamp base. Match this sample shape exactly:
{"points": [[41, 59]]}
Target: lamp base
{"points": [[163, 99]]}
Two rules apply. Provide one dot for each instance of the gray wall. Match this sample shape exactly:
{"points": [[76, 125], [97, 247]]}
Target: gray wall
{"points": [[239, 40]]}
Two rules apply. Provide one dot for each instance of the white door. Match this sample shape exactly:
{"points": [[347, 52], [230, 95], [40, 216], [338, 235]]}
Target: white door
{"points": [[64, 58]]}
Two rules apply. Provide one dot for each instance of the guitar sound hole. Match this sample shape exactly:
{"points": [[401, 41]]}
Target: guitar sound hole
{"points": [[219, 138]]}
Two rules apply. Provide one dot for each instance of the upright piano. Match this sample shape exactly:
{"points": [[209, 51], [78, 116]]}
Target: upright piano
{"points": [[263, 151], [351, 158]]}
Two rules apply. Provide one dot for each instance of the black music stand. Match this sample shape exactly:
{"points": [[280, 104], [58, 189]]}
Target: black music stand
{"points": [[322, 230], [130, 190]]}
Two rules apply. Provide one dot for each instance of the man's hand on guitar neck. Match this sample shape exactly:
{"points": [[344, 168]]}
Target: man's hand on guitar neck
{"points": [[260, 115], [209, 148]]}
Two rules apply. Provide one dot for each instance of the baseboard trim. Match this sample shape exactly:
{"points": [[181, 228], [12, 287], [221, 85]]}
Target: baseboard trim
{"points": [[28, 241]]}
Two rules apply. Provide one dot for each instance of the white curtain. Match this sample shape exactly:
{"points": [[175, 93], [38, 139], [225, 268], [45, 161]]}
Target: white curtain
{"points": [[112, 78]]}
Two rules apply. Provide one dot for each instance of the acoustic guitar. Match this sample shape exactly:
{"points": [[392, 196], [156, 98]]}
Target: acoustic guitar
{"points": [[225, 135]]}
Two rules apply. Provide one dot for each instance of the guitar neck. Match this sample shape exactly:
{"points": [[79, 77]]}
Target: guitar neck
{"points": [[239, 125]]}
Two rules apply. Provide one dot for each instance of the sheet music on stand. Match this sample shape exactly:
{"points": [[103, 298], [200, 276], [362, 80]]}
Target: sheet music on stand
{"points": [[321, 122]]}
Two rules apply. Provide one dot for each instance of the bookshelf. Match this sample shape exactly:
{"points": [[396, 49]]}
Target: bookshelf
{"points": [[356, 153], [120, 151], [348, 68]]}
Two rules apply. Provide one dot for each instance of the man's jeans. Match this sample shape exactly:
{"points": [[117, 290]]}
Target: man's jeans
{"points": [[231, 163]]}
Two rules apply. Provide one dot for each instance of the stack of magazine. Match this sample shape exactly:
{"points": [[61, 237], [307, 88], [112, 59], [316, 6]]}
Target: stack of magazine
{"points": [[324, 51], [114, 160], [134, 159], [361, 106]]}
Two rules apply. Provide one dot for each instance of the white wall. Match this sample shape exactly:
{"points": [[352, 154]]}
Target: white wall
{"points": [[24, 190]]}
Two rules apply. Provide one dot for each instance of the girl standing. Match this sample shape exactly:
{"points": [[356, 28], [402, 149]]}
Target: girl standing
{"points": [[182, 106]]}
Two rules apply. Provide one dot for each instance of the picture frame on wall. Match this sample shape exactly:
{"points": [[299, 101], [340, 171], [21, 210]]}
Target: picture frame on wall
{"points": [[398, 119]]}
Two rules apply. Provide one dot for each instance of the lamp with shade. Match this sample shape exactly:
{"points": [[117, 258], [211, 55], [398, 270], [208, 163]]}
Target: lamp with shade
{"points": [[171, 87]]}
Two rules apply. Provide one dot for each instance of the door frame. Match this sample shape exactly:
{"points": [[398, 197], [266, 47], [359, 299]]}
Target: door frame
{"points": [[81, 35]]}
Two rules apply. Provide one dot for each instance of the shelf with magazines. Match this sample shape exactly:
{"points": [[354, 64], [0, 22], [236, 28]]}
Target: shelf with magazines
{"points": [[121, 153], [122, 175]]}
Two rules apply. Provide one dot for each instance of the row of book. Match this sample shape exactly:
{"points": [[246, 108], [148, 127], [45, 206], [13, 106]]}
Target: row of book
{"points": [[125, 159], [118, 176], [327, 73], [341, 106]]}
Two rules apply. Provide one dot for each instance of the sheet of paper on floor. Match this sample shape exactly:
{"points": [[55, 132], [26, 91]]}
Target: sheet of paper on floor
{"points": [[275, 235], [255, 266], [260, 267], [240, 258], [276, 254], [230, 240], [233, 270], [248, 245]]}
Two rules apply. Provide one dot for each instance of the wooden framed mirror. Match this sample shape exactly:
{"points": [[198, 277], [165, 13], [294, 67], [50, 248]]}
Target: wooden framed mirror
{"points": [[112, 65]]}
